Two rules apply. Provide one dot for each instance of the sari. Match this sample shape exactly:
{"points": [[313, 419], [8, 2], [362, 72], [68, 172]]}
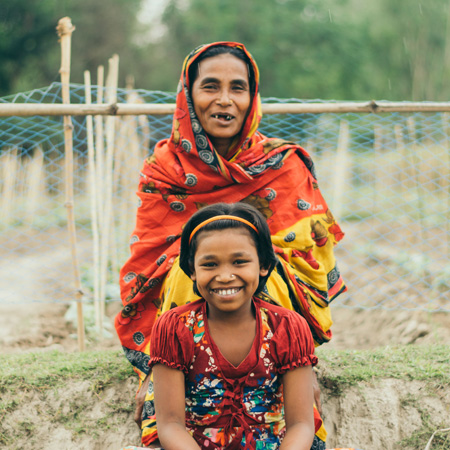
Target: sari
{"points": [[186, 173]]}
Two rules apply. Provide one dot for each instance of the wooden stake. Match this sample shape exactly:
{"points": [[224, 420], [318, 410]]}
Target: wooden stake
{"points": [[65, 30], [341, 169], [93, 197], [106, 234]]}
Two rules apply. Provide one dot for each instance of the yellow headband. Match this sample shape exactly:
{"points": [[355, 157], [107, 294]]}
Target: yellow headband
{"points": [[213, 219]]}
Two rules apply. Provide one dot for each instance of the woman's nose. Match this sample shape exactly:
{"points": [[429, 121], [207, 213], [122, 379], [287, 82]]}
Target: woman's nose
{"points": [[224, 98]]}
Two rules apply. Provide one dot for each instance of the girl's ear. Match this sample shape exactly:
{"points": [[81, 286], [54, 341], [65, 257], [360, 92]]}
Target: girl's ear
{"points": [[263, 272], [193, 277]]}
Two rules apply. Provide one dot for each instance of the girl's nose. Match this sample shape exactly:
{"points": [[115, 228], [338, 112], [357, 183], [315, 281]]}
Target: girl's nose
{"points": [[225, 276]]}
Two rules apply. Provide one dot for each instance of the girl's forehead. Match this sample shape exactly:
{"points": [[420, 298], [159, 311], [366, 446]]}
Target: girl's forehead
{"points": [[224, 237]]}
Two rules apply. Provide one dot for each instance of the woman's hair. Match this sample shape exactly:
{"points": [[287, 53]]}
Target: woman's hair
{"points": [[221, 50], [263, 243]]}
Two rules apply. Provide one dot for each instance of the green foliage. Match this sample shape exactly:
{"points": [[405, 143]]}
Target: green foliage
{"points": [[340, 49]]}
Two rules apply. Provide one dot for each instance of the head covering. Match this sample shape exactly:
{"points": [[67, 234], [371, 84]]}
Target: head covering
{"points": [[185, 173]]}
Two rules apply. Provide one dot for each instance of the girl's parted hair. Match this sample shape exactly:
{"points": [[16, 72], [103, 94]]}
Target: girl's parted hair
{"points": [[263, 243]]}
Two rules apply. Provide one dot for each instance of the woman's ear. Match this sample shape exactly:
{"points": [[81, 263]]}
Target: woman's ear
{"points": [[263, 272]]}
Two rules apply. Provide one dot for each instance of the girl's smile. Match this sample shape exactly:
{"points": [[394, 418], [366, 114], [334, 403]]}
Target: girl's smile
{"points": [[227, 270]]}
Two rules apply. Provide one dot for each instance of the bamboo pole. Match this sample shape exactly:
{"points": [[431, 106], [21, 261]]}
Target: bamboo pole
{"points": [[35, 189], [121, 109], [416, 180], [341, 169], [99, 144], [9, 164], [107, 230], [93, 200], [65, 30], [445, 177]]}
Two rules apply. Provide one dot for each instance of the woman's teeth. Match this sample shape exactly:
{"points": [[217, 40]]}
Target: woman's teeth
{"points": [[222, 116]]}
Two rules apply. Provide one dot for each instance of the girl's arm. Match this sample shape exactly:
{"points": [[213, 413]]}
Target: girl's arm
{"points": [[170, 409], [298, 409]]}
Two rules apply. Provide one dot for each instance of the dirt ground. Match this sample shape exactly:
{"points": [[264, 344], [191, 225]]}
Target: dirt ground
{"points": [[44, 326]]}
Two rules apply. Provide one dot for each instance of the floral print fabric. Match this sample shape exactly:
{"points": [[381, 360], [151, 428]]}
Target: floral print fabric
{"points": [[226, 406]]}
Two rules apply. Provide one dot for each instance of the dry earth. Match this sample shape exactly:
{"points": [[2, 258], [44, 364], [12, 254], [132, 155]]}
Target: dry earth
{"points": [[371, 417]]}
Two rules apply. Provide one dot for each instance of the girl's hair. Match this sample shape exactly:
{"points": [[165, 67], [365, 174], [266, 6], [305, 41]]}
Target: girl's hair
{"points": [[263, 243], [221, 50]]}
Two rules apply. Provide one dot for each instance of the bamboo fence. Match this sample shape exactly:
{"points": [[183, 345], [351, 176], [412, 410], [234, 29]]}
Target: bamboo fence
{"points": [[123, 109]]}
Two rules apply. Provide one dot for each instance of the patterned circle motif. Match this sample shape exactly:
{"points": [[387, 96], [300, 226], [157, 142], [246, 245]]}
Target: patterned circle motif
{"points": [[302, 205], [278, 165], [289, 237], [186, 145], [191, 179], [206, 156], [161, 259], [177, 206], [138, 338], [201, 141], [271, 195], [134, 239], [333, 276], [258, 169], [153, 282], [171, 238], [129, 276], [196, 127], [149, 409]]}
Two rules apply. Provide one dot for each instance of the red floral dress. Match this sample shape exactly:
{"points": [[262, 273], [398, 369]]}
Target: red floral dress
{"points": [[230, 407]]}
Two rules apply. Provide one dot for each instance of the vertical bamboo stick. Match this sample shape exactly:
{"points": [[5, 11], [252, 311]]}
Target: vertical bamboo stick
{"points": [[445, 177], [99, 144], [378, 169], [420, 228], [65, 30], [35, 190], [93, 198], [112, 82], [341, 169], [10, 172]]}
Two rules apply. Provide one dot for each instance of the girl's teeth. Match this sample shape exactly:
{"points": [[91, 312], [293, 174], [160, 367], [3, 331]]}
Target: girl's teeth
{"points": [[227, 291]]}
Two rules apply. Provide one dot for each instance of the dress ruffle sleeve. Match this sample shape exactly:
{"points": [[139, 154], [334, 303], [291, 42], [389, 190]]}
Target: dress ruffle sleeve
{"points": [[171, 343], [292, 343]]}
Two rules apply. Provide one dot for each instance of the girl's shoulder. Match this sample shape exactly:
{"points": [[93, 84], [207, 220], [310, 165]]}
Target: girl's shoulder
{"points": [[185, 309], [277, 311]]}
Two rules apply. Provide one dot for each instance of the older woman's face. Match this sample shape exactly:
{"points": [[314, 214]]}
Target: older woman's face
{"points": [[221, 96]]}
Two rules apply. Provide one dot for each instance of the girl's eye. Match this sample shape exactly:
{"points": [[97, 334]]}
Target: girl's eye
{"points": [[241, 261], [208, 264]]}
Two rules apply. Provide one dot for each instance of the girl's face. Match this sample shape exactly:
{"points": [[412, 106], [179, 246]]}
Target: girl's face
{"points": [[227, 270], [221, 97]]}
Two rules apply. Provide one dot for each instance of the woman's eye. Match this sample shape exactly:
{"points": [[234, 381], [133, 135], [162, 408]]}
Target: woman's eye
{"points": [[209, 86]]}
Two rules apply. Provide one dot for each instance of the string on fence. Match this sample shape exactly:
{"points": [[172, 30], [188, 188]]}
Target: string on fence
{"points": [[386, 177]]}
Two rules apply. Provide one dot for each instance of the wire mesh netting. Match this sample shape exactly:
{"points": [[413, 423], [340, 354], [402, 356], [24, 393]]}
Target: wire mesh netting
{"points": [[385, 176]]}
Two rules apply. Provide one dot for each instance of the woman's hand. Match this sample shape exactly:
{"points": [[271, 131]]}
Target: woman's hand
{"points": [[298, 409], [140, 400]]}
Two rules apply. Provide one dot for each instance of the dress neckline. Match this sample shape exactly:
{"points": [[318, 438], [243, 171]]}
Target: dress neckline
{"points": [[252, 356]]}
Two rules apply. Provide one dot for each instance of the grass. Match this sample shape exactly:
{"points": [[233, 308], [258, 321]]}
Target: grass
{"points": [[345, 368], [27, 376], [46, 370]]}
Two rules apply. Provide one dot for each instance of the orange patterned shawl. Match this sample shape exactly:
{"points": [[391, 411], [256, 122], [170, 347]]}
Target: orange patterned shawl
{"points": [[184, 174]]}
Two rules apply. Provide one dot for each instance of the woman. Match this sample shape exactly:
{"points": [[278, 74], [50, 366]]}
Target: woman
{"points": [[215, 153]]}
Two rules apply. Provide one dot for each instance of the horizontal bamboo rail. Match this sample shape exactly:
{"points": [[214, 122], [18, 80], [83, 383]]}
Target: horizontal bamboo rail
{"points": [[123, 109]]}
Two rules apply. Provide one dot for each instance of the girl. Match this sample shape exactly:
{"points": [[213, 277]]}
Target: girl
{"points": [[232, 370]]}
